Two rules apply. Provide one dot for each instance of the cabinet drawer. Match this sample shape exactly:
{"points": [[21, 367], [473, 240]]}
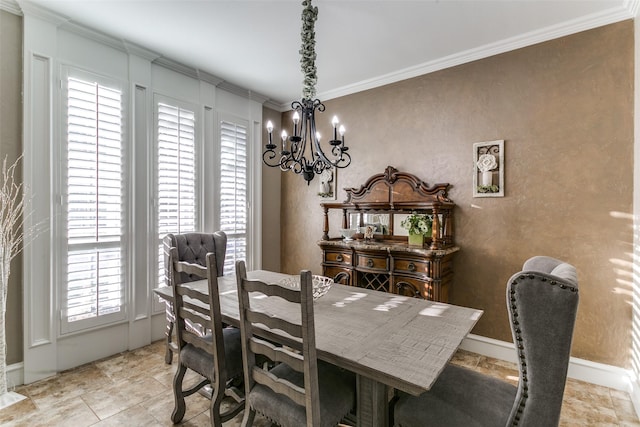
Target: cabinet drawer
{"points": [[372, 262], [341, 258], [411, 266]]}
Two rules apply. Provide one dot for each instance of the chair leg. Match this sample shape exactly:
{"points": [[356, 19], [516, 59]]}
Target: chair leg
{"points": [[168, 356], [180, 407], [249, 414], [238, 397], [216, 401]]}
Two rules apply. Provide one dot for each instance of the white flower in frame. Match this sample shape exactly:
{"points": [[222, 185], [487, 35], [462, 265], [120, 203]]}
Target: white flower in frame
{"points": [[487, 162]]}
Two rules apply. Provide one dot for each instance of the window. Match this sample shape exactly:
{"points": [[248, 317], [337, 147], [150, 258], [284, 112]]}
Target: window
{"points": [[176, 174], [233, 190], [95, 214]]}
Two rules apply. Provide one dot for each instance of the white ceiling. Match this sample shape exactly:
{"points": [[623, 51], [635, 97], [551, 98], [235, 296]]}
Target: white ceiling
{"points": [[360, 43]]}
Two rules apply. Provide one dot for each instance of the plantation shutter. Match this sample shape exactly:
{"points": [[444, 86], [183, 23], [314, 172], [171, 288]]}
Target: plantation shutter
{"points": [[95, 212], [176, 174], [233, 191]]}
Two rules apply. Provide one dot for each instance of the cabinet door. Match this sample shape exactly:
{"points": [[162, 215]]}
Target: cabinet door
{"points": [[338, 274], [409, 286]]}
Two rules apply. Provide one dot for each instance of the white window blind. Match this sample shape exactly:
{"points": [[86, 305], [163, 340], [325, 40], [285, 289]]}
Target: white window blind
{"points": [[233, 191], [95, 211], [176, 174]]}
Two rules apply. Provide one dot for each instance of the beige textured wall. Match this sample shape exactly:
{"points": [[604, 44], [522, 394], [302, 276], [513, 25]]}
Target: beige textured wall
{"points": [[11, 147], [565, 111], [271, 187]]}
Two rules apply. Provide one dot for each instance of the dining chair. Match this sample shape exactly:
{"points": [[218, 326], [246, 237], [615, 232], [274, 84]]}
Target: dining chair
{"points": [[542, 302], [216, 355], [299, 390], [192, 247]]}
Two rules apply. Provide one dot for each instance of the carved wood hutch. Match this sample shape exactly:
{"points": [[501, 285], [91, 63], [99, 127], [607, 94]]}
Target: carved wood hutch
{"points": [[387, 262]]}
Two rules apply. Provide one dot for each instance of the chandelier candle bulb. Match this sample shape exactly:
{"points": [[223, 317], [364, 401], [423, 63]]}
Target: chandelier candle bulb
{"points": [[269, 130], [296, 119], [284, 142]]}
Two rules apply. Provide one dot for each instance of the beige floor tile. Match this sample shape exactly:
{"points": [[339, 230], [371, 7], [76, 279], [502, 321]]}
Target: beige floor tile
{"points": [[135, 389]]}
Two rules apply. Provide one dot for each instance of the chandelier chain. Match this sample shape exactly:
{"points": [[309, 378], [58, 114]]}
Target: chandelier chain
{"points": [[308, 50]]}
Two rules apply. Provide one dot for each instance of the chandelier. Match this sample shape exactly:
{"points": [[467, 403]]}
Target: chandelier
{"points": [[302, 152]]}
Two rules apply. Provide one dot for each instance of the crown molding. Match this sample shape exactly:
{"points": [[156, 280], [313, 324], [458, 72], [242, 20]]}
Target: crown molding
{"points": [[628, 11], [275, 106], [11, 6], [30, 9], [209, 78], [176, 66], [65, 23], [633, 6], [140, 51]]}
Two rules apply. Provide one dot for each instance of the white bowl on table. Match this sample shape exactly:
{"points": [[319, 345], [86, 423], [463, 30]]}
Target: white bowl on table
{"points": [[321, 284]]}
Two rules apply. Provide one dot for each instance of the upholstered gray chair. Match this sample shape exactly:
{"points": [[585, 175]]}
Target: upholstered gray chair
{"points": [[299, 390], [193, 248], [216, 355], [542, 301]]}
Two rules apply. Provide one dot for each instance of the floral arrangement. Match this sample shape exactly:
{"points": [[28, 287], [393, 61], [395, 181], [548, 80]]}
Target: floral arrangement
{"points": [[418, 223], [488, 189]]}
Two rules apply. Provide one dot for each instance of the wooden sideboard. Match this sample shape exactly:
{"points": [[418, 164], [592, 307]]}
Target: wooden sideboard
{"points": [[387, 262]]}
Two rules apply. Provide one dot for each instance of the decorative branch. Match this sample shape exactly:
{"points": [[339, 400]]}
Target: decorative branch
{"points": [[11, 239]]}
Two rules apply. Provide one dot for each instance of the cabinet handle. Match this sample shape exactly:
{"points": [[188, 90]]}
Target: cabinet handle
{"points": [[369, 262], [339, 258], [400, 286], [411, 267]]}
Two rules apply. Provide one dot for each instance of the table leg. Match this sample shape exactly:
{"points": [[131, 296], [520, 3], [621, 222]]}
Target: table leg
{"points": [[373, 402]]}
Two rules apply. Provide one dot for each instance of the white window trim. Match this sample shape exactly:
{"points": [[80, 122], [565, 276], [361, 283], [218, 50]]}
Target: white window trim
{"points": [[59, 240]]}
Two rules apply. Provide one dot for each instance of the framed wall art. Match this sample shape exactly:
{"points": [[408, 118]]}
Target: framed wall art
{"points": [[488, 166]]}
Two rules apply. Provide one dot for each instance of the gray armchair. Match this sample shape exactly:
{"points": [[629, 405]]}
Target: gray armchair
{"points": [[193, 248], [542, 301]]}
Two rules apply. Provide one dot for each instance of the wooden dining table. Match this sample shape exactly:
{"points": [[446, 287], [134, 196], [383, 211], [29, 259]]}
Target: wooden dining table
{"points": [[389, 341]]}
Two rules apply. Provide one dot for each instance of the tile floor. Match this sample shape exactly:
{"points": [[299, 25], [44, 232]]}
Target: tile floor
{"points": [[134, 389]]}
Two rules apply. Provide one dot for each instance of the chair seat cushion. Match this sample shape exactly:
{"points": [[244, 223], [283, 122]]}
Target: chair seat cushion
{"points": [[202, 362], [337, 397], [460, 397]]}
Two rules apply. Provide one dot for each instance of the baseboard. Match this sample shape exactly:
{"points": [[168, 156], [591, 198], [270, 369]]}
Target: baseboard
{"points": [[579, 369], [15, 375], [634, 392]]}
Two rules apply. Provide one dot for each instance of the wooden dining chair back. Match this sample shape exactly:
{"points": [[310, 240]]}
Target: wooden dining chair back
{"points": [[192, 247], [215, 354], [299, 390], [542, 302]]}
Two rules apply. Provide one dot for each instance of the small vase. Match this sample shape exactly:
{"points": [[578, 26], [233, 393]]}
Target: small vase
{"points": [[487, 178], [416, 240]]}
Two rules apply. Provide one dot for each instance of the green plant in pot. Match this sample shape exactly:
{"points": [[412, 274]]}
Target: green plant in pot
{"points": [[418, 226]]}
